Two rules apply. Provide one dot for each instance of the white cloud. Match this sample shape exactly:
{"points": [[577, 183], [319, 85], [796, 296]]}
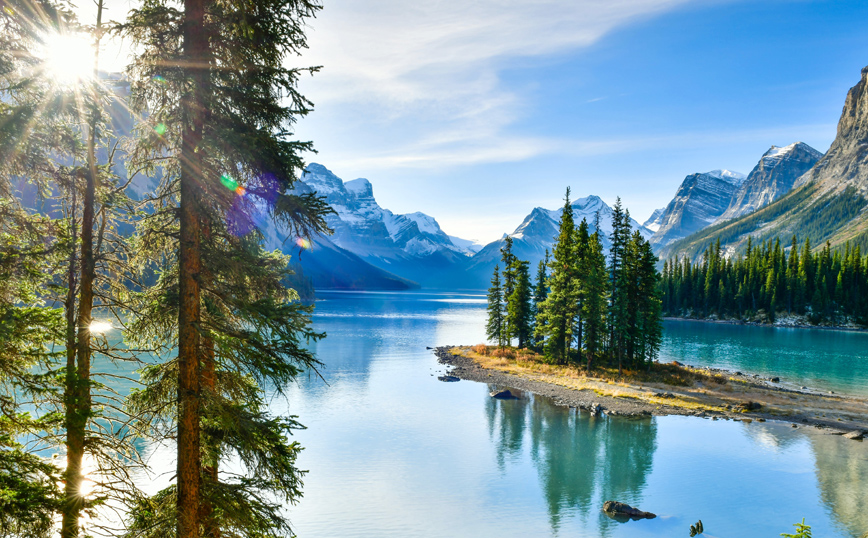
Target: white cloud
{"points": [[436, 66]]}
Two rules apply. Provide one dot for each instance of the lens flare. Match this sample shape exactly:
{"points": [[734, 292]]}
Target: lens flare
{"points": [[302, 243], [159, 80], [228, 182], [160, 129]]}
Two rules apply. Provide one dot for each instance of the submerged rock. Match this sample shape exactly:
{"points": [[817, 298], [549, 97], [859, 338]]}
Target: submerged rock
{"points": [[614, 508], [503, 395], [856, 435], [448, 378]]}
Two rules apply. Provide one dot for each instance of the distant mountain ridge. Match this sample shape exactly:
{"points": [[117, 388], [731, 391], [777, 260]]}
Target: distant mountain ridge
{"points": [[410, 245], [700, 200], [829, 202], [537, 233]]}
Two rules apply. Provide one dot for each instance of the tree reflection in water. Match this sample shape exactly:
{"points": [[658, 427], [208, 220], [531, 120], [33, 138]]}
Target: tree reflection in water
{"points": [[581, 460]]}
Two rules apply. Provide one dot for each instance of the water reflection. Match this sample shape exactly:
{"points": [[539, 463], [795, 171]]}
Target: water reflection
{"points": [[842, 475], [581, 460]]}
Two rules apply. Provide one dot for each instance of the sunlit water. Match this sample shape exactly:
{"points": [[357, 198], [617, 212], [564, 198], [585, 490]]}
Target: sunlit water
{"points": [[393, 452]]}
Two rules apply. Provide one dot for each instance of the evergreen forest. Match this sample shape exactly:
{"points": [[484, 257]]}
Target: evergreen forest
{"points": [[581, 308], [171, 292], [768, 281]]}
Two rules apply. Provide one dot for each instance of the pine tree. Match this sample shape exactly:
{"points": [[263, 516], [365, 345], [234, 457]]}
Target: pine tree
{"points": [[494, 328], [223, 106], [618, 304], [596, 280], [555, 319], [540, 292], [510, 275], [519, 305]]}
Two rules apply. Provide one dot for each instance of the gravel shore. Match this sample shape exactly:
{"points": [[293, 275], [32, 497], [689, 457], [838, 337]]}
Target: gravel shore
{"points": [[836, 414]]}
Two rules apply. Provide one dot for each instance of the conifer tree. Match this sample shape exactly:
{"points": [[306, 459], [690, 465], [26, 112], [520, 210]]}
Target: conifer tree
{"points": [[618, 304], [594, 311], [221, 102], [555, 319], [540, 292], [494, 327], [519, 305], [509, 278]]}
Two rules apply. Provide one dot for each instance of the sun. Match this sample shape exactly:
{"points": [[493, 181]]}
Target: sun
{"points": [[68, 58]]}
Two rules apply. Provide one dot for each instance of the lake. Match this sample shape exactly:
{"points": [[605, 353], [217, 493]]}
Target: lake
{"points": [[393, 452]]}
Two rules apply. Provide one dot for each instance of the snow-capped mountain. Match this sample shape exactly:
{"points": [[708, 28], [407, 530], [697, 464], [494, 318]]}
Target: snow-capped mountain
{"points": [[655, 220], [772, 177], [410, 245], [700, 200], [537, 233]]}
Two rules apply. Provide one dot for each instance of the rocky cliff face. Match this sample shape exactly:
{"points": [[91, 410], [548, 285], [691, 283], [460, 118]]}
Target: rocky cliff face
{"points": [[700, 200], [774, 176], [846, 162]]}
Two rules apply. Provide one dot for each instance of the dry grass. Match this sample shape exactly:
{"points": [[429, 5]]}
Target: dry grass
{"points": [[687, 388]]}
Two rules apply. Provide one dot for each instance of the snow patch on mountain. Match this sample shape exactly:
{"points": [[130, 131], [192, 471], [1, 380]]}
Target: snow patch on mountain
{"points": [[736, 178]]}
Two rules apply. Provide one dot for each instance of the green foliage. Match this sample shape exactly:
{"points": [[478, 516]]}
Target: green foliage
{"points": [[825, 286], [802, 531], [494, 327]]}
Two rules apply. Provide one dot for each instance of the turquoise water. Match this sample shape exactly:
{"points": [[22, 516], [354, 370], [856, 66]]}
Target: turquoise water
{"points": [[392, 452], [818, 358]]}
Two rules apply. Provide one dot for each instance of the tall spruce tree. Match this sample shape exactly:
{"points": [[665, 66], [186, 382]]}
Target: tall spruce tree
{"points": [[618, 280], [494, 327], [540, 292], [594, 311], [519, 305], [557, 312], [221, 102], [51, 133], [509, 278]]}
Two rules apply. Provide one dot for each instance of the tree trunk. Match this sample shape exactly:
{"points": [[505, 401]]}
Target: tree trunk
{"points": [[78, 381], [188, 477], [72, 475]]}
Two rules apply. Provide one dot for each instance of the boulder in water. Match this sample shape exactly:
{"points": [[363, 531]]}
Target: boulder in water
{"points": [[614, 508], [503, 395]]}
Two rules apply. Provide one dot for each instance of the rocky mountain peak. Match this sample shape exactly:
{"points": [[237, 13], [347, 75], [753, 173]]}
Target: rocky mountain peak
{"points": [[846, 162], [774, 176]]}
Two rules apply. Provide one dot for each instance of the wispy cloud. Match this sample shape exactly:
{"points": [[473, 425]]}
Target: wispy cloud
{"points": [[432, 70], [514, 148]]}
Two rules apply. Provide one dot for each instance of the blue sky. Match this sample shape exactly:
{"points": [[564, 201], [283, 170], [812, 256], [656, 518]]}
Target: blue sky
{"points": [[475, 112]]}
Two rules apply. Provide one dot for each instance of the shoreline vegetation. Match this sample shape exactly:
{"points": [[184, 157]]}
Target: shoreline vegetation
{"points": [[780, 323], [664, 389]]}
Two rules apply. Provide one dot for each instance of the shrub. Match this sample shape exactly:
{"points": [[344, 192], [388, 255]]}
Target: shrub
{"points": [[480, 349], [504, 353]]}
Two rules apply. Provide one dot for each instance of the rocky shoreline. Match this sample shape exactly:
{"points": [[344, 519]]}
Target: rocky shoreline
{"points": [[776, 324], [648, 400]]}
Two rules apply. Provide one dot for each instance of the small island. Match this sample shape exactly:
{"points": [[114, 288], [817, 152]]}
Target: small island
{"points": [[662, 389]]}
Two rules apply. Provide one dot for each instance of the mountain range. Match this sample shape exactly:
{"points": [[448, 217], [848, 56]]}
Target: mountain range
{"points": [[414, 246], [793, 189], [827, 203]]}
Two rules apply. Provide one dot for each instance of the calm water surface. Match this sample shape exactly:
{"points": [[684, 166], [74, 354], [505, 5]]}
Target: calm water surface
{"points": [[818, 358], [392, 452]]}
